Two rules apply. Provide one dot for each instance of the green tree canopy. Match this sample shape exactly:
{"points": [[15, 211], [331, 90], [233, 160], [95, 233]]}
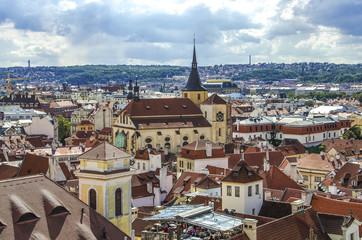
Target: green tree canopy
{"points": [[63, 128], [354, 132]]}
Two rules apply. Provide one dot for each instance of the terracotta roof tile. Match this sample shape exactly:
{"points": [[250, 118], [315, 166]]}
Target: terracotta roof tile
{"points": [[276, 179], [161, 106], [242, 173], [170, 122], [184, 183], [33, 164], [38, 195], [214, 99], [7, 171], [295, 226], [208, 183], [338, 207]]}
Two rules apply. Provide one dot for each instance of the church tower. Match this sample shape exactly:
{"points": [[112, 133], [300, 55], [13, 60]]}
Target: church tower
{"points": [[105, 183], [194, 90]]}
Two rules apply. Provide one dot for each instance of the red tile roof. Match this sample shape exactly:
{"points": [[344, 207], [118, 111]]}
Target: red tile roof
{"points": [[276, 179], [295, 226], [33, 164], [327, 205], [291, 193], [214, 99], [242, 173], [349, 172], [170, 122], [7, 171], [161, 107], [257, 159], [205, 200], [208, 183], [85, 122], [183, 184], [197, 150]]}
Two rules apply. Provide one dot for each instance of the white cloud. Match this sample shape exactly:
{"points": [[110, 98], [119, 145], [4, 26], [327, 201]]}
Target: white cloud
{"points": [[69, 32]]}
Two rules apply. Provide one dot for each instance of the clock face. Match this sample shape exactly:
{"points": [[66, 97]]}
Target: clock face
{"points": [[219, 117]]}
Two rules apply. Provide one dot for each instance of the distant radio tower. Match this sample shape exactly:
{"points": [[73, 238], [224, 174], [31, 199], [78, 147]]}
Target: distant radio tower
{"points": [[249, 59], [28, 63]]}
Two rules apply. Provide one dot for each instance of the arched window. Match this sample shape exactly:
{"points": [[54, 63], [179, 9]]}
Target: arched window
{"points": [[92, 199], [118, 201]]}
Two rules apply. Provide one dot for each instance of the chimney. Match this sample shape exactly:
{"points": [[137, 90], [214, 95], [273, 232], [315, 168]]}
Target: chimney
{"points": [[205, 171], [266, 161], [163, 178], [333, 189], [297, 206], [249, 227], [267, 195], [237, 148], [149, 187], [293, 171], [208, 149]]}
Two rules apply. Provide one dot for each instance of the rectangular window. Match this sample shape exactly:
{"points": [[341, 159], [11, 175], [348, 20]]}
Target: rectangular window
{"points": [[257, 189], [185, 95], [237, 191], [228, 190], [198, 96], [305, 177], [250, 189], [317, 179]]}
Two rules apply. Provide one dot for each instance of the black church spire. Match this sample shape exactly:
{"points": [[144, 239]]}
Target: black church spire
{"points": [[194, 82]]}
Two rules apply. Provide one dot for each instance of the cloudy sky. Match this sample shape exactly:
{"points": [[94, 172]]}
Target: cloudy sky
{"points": [[77, 32]]}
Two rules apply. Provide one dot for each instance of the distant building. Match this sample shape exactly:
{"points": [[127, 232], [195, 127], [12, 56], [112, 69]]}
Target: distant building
{"points": [[221, 86]]}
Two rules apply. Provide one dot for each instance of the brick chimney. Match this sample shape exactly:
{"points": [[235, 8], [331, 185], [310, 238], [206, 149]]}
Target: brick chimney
{"points": [[249, 227]]}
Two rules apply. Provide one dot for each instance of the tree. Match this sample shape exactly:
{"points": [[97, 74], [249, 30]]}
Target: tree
{"points": [[309, 103], [63, 129], [316, 149], [354, 132]]}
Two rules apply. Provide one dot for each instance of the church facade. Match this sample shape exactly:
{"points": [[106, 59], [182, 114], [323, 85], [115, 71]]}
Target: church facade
{"points": [[168, 124]]}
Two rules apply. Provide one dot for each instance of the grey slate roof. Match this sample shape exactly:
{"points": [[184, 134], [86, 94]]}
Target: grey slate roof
{"points": [[104, 151]]}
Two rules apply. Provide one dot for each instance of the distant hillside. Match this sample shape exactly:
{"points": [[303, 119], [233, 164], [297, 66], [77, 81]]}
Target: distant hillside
{"points": [[103, 74]]}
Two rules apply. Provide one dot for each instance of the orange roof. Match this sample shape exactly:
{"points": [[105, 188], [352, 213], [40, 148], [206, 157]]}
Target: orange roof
{"points": [[327, 205], [276, 179]]}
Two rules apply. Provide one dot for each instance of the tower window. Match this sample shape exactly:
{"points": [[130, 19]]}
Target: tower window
{"points": [[219, 132], [92, 199], [198, 96], [185, 95], [118, 202]]}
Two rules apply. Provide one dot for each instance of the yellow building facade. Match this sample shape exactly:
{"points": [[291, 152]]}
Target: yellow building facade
{"points": [[105, 184]]}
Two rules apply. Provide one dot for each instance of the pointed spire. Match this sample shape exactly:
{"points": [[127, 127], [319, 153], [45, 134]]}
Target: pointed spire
{"points": [[194, 62], [194, 82], [136, 91]]}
